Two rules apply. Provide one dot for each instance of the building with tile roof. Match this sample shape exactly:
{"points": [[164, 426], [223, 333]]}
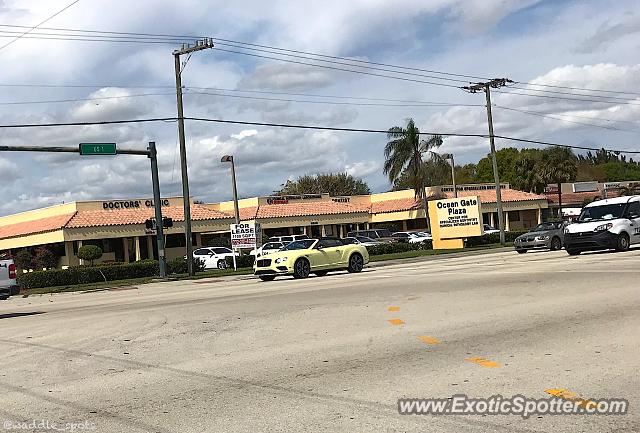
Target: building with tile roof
{"points": [[118, 226]]}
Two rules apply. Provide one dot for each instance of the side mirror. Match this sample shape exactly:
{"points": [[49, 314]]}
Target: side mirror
{"points": [[319, 247]]}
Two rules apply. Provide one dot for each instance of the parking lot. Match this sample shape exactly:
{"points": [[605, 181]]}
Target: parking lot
{"points": [[332, 353]]}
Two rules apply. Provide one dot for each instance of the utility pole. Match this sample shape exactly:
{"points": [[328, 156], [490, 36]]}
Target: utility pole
{"points": [[236, 210], [186, 49], [153, 155], [486, 88], [449, 156]]}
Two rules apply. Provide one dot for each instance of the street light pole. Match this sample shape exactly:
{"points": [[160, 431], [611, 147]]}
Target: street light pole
{"points": [[236, 210], [186, 49]]}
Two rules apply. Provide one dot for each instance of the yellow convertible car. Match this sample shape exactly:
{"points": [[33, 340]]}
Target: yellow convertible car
{"points": [[306, 256]]}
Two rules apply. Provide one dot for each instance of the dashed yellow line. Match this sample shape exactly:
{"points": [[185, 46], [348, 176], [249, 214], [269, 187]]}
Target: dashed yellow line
{"points": [[484, 362], [396, 321], [393, 308], [428, 339], [569, 395]]}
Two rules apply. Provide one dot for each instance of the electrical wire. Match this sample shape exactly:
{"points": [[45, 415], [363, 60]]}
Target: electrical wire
{"points": [[39, 24], [100, 98], [310, 127]]}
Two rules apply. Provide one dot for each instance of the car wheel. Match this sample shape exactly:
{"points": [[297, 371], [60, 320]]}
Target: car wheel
{"points": [[267, 277], [572, 252], [622, 243], [222, 264], [301, 268], [321, 273], [356, 263], [521, 251], [556, 244]]}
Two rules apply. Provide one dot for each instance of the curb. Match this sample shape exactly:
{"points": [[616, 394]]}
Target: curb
{"points": [[439, 257]]}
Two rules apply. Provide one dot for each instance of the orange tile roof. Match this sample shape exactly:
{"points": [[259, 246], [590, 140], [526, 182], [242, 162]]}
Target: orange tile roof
{"points": [[578, 198], [310, 208], [489, 195], [41, 225], [99, 218], [395, 205]]}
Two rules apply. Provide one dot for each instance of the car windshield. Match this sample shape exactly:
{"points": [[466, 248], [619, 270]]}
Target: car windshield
{"points": [[384, 233], [545, 227], [272, 246], [603, 212], [365, 239], [302, 244]]}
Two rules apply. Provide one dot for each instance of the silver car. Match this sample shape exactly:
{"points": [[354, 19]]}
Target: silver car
{"points": [[544, 236]]}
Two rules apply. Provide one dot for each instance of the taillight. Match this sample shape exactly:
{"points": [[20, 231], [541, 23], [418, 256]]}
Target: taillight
{"points": [[12, 272]]}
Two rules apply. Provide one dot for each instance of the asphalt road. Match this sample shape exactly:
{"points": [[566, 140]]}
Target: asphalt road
{"points": [[325, 354]]}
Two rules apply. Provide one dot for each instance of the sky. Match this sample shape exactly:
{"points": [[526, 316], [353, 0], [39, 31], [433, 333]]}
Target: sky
{"points": [[554, 42]]}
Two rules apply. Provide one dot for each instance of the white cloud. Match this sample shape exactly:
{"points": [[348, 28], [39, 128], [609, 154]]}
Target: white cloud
{"points": [[362, 168]]}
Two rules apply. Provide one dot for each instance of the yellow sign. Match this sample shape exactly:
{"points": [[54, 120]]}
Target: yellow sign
{"points": [[456, 217]]}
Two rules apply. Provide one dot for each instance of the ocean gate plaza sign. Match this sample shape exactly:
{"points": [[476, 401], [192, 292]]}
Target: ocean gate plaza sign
{"points": [[245, 235], [457, 217]]}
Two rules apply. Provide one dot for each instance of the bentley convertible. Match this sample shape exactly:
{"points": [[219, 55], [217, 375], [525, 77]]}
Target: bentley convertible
{"points": [[311, 256]]}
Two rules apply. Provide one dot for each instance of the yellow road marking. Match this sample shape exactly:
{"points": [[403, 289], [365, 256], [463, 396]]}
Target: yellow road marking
{"points": [[569, 395], [393, 309], [428, 339], [484, 362], [396, 321]]}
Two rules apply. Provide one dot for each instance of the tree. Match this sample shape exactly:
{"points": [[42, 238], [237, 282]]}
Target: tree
{"points": [[435, 171], [558, 165], [526, 172], [335, 184], [507, 160], [404, 151], [45, 259], [23, 260], [90, 253]]}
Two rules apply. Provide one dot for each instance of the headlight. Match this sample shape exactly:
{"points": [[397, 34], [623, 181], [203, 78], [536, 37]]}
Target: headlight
{"points": [[566, 231], [281, 260], [542, 238], [603, 227]]}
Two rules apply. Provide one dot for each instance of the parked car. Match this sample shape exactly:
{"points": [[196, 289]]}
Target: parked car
{"points": [[380, 235], [408, 237], [549, 235], [487, 229], [360, 240], [8, 276], [605, 224], [287, 238], [306, 256], [268, 248], [425, 235], [214, 257]]}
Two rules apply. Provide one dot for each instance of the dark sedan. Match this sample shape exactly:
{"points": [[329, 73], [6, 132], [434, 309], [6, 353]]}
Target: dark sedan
{"points": [[544, 236]]}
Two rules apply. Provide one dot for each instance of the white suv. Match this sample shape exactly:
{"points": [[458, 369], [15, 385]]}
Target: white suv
{"points": [[605, 224]]}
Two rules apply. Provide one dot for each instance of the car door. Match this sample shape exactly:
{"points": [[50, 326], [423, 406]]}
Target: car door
{"points": [[633, 213], [323, 256], [204, 255]]}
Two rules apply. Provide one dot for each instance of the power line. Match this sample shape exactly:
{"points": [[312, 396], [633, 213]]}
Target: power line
{"points": [[533, 113], [55, 101], [298, 126], [171, 38], [366, 104], [39, 24]]}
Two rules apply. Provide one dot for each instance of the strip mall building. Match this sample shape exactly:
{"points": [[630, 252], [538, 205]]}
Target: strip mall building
{"points": [[118, 226]]}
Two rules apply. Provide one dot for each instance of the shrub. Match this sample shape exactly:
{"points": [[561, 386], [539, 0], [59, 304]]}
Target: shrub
{"points": [[90, 253], [23, 260], [492, 238], [241, 261], [179, 266], [45, 259], [398, 247], [85, 274]]}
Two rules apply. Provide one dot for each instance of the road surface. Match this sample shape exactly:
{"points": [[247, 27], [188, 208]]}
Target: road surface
{"points": [[331, 354]]}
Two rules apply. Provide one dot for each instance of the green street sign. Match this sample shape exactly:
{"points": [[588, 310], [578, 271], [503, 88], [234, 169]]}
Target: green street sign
{"points": [[97, 148]]}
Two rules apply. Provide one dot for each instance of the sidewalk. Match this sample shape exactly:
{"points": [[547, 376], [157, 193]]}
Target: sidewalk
{"points": [[440, 256]]}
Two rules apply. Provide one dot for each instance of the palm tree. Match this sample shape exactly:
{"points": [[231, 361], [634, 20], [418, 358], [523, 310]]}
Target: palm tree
{"points": [[404, 152], [558, 165]]}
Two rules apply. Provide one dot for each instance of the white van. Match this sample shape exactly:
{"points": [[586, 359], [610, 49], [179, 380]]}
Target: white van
{"points": [[605, 224]]}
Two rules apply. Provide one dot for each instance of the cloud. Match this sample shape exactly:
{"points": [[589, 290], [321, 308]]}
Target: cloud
{"points": [[362, 168], [608, 33], [286, 77]]}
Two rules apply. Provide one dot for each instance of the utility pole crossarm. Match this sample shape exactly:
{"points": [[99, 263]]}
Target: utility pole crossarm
{"points": [[202, 44]]}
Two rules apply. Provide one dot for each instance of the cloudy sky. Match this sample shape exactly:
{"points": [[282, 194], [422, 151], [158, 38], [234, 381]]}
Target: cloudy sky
{"points": [[565, 43]]}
